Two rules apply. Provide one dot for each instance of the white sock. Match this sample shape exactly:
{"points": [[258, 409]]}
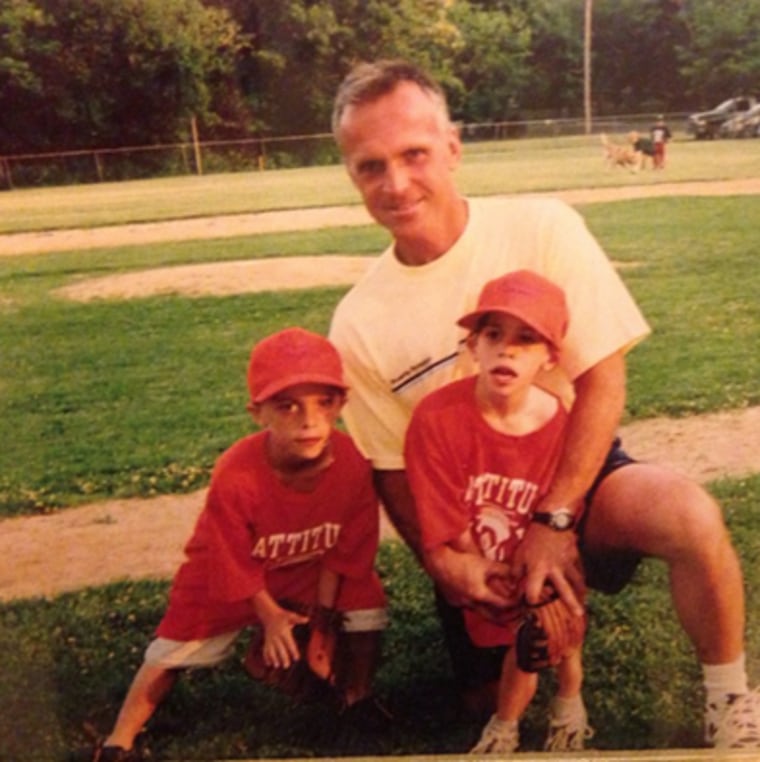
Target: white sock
{"points": [[563, 709], [723, 680], [502, 726]]}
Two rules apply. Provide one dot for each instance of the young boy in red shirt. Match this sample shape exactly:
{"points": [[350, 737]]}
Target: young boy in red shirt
{"points": [[287, 538], [480, 453]]}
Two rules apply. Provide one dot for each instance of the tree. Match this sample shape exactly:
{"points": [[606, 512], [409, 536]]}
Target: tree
{"points": [[634, 59], [23, 46], [303, 48], [490, 61], [121, 73], [720, 57]]}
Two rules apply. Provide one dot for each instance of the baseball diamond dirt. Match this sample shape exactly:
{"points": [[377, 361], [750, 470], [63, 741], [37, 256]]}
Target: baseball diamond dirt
{"points": [[47, 555]]}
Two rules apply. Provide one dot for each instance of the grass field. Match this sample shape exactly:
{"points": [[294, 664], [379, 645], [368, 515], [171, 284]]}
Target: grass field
{"points": [[110, 399], [507, 167]]}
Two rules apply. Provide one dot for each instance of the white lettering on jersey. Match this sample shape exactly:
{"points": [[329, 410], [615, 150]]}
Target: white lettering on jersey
{"points": [[286, 548], [498, 506]]}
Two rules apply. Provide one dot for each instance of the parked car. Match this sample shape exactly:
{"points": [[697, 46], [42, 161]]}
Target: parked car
{"points": [[744, 125], [706, 124]]}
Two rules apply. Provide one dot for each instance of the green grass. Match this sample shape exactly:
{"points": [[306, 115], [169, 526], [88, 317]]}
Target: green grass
{"points": [[69, 662], [487, 168], [138, 398], [112, 398]]}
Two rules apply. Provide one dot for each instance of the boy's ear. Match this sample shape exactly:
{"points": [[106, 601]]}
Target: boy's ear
{"points": [[471, 340], [553, 358], [254, 408]]}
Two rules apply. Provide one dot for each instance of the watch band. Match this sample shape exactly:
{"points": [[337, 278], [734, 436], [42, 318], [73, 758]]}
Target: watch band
{"points": [[560, 520]]}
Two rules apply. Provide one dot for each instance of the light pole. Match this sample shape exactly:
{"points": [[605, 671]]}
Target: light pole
{"points": [[587, 64]]}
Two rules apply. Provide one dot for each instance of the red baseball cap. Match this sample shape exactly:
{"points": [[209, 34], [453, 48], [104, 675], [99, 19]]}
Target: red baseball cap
{"points": [[289, 357], [525, 295]]}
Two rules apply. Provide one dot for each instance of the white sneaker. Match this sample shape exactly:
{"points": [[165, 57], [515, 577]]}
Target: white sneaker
{"points": [[737, 725], [498, 737], [568, 734]]}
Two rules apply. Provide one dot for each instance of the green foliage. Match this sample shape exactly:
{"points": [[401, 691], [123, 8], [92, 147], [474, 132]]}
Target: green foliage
{"points": [[134, 72], [722, 55], [69, 662]]}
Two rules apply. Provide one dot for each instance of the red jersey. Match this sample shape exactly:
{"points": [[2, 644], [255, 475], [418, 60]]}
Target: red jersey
{"points": [[466, 475], [254, 533]]}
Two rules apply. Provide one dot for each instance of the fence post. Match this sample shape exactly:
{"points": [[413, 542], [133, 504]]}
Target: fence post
{"points": [[5, 171], [196, 146], [98, 166]]}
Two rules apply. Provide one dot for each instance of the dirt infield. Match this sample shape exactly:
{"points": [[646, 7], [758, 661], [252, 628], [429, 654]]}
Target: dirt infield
{"points": [[134, 539]]}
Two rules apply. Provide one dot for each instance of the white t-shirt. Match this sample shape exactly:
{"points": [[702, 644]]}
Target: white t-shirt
{"points": [[396, 329]]}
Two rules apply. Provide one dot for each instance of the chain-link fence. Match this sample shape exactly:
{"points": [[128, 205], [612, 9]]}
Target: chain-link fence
{"points": [[135, 162]]}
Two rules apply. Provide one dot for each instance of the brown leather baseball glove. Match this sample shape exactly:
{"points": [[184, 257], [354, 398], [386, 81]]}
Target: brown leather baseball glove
{"points": [[316, 640], [548, 632]]}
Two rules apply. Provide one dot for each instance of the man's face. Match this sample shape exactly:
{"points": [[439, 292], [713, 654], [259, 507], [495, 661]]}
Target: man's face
{"points": [[400, 152]]}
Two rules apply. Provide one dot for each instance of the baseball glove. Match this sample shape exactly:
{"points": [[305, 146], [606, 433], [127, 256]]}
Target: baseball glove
{"points": [[548, 632], [306, 678]]}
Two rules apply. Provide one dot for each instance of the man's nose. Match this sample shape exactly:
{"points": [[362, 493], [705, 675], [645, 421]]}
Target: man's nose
{"points": [[396, 179]]}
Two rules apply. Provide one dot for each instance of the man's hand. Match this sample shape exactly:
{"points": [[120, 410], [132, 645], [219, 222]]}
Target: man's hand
{"points": [[468, 579], [547, 555]]}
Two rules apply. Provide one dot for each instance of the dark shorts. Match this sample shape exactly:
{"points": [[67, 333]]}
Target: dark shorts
{"points": [[608, 573]]}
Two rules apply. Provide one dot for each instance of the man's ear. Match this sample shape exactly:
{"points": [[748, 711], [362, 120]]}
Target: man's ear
{"points": [[455, 147]]}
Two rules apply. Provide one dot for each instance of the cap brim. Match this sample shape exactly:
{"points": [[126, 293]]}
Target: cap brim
{"points": [[303, 378]]}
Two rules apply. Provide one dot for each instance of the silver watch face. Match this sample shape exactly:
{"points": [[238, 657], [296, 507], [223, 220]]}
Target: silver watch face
{"points": [[561, 520]]}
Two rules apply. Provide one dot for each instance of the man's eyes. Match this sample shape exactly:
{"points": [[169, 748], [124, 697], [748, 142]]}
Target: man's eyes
{"points": [[371, 167]]}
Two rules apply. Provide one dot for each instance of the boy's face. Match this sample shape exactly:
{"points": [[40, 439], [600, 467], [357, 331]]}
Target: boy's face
{"points": [[300, 420], [510, 354]]}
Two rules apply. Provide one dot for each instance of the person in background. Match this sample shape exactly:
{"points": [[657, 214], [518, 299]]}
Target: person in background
{"points": [[660, 134]]}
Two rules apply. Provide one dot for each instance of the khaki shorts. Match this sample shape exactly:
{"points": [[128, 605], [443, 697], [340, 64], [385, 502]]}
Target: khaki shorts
{"points": [[190, 654], [209, 652]]}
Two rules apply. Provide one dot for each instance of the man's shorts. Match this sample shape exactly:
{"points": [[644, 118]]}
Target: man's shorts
{"points": [[607, 572]]}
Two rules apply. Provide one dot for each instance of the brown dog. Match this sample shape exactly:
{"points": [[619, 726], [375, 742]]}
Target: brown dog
{"points": [[624, 156]]}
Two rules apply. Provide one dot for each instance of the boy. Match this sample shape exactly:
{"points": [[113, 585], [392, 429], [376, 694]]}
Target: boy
{"points": [[480, 452], [660, 134], [289, 528]]}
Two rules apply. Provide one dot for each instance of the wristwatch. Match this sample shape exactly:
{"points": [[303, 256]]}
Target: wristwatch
{"points": [[560, 520]]}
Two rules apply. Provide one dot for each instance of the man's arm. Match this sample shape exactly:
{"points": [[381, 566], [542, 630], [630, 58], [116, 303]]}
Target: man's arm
{"points": [[396, 497], [593, 421], [462, 577]]}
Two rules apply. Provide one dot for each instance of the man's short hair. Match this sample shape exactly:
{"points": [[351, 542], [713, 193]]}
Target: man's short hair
{"points": [[367, 82]]}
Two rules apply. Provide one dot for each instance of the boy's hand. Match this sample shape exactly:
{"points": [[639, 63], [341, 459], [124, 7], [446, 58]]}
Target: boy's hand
{"points": [[280, 649]]}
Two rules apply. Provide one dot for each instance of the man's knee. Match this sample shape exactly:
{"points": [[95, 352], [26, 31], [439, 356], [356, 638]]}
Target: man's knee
{"points": [[653, 511]]}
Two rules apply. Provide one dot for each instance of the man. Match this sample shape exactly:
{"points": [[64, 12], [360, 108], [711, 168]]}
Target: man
{"points": [[397, 334]]}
